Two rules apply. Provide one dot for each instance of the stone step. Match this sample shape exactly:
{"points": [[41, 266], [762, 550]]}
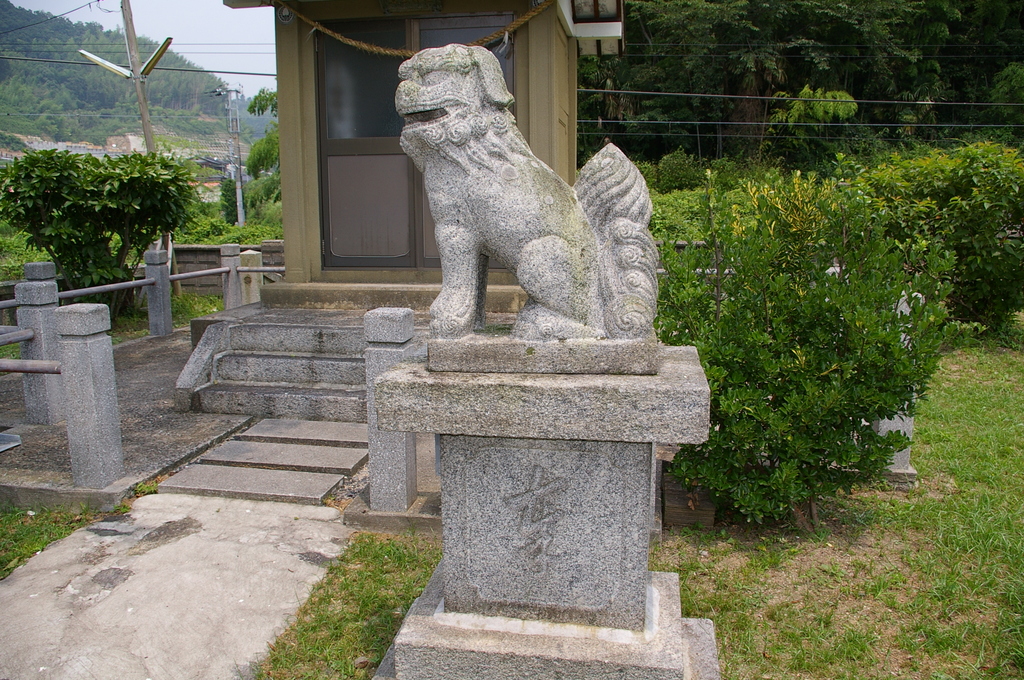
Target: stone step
{"points": [[334, 460], [323, 433], [308, 488], [337, 403], [289, 368], [307, 339]]}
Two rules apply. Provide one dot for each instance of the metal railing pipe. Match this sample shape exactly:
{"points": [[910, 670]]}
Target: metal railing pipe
{"points": [[261, 270], [17, 336], [201, 272], [108, 288], [29, 366]]}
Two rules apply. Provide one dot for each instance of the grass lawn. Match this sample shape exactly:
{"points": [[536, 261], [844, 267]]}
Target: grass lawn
{"points": [[927, 584], [25, 532]]}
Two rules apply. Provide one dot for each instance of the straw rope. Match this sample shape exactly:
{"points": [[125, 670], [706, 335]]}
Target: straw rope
{"points": [[391, 52]]}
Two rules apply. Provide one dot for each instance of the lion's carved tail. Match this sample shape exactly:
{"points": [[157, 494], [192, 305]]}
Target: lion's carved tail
{"points": [[614, 197]]}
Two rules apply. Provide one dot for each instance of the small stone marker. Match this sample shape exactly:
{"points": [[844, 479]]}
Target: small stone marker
{"points": [[251, 281]]}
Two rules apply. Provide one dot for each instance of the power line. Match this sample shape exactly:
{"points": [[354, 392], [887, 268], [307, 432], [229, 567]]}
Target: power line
{"points": [[697, 95], [56, 16], [836, 56], [738, 136], [142, 43], [784, 123], [158, 68], [184, 114], [814, 44]]}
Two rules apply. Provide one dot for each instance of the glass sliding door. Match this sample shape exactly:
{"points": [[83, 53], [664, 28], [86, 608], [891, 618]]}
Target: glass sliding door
{"points": [[374, 210]]}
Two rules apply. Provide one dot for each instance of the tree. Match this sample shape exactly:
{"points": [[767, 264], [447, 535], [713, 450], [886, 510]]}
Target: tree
{"points": [[95, 216], [228, 200]]}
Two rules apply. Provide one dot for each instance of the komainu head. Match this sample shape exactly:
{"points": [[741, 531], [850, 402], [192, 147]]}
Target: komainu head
{"points": [[450, 95]]}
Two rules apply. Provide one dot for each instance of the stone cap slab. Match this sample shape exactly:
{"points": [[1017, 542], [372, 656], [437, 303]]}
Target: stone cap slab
{"points": [[389, 324], [82, 319], [36, 293], [672, 406], [155, 257], [40, 271], [484, 354]]}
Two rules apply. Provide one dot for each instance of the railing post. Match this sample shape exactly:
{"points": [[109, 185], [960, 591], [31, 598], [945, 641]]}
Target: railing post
{"points": [[94, 421], [251, 281], [389, 331], [229, 257], [158, 299], [37, 300]]}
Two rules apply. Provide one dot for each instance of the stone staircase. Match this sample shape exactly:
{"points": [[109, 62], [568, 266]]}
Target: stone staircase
{"points": [[287, 460], [279, 363]]}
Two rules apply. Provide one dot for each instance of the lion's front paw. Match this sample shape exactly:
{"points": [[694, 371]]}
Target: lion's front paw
{"points": [[449, 320]]}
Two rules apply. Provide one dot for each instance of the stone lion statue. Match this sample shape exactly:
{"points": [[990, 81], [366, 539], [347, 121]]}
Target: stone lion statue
{"points": [[584, 256]]}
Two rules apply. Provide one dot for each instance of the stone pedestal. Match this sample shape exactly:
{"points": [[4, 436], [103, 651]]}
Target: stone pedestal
{"points": [[546, 484]]}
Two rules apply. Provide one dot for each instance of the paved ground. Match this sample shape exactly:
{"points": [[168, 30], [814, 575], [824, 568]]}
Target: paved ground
{"points": [[154, 436], [182, 587]]}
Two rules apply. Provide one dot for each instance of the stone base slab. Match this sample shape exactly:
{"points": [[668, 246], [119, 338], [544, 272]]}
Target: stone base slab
{"points": [[901, 479], [488, 354], [424, 515], [434, 645]]}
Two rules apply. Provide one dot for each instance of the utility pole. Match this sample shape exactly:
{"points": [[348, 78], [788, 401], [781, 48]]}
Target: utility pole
{"points": [[235, 148], [136, 66]]}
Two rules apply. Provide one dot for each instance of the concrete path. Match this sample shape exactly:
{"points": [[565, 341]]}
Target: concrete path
{"points": [[181, 587]]}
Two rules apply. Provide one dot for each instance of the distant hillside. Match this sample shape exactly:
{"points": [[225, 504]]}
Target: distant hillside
{"points": [[72, 103]]}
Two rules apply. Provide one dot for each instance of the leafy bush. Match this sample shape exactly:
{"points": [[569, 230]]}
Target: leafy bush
{"points": [[205, 226], [793, 311], [969, 201], [682, 215], [95, 216], [15, 252]]}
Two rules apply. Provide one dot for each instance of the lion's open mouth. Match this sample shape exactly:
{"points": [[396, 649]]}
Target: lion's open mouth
{"points": [[425, 116]]}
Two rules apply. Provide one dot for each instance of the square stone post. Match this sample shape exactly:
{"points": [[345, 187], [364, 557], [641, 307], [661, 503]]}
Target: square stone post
{"points": [[251, 281], [87, 369], [158, 298], [229, 257], [389, 331], [37, 300]]}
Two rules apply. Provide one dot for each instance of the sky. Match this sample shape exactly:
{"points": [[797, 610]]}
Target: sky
{"points": [[205, 32]]}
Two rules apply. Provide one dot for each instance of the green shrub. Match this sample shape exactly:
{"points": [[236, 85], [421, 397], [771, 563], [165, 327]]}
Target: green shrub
{"points": [[682, 215], [793, 311], [678, 171], [205, 226], [969, 201], [15, 252], [95, 216]]}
